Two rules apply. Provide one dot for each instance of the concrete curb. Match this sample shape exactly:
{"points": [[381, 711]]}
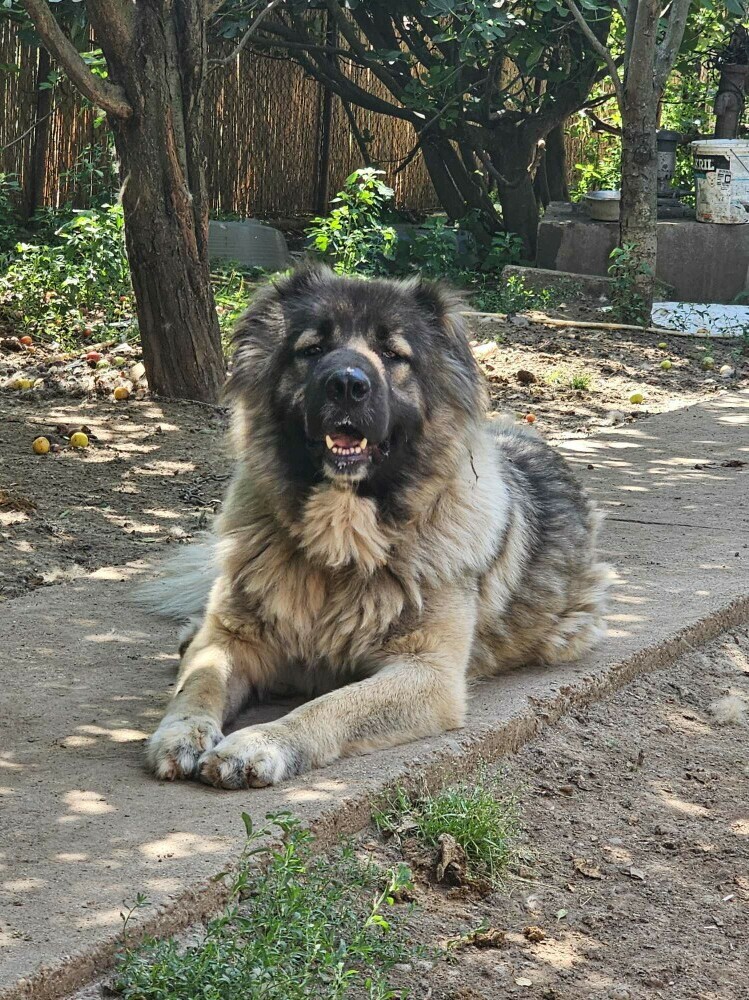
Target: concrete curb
{"points": [[84, 829], [433, 769]]}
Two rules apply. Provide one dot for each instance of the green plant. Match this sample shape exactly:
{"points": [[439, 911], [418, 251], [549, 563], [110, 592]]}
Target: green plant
{"points": [[627, 304], [301, 926], [511, 296], [57, 286], [93, 179], [434, 249], [575, 380], [9, 188], [505, 248], [483, 821], [354, 237]]}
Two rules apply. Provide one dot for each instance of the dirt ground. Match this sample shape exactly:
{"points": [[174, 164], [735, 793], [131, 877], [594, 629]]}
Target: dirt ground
{"points": [[155, 471], [637, 812]]}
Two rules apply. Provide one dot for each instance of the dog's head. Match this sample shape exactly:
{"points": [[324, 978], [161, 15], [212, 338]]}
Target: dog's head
{"points": [[354, 380]]}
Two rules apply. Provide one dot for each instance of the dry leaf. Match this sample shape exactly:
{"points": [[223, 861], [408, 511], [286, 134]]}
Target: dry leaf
{"points": [[534, 934], [587, 868], [636, 873], [491, 938], [522, 981]]}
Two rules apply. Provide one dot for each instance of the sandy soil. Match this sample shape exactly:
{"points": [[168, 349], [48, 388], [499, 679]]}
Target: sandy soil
{"points": [[155, 471], [637, 812]]}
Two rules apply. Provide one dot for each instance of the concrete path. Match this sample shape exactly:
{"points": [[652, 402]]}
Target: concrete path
{"points": [[83, 829]]}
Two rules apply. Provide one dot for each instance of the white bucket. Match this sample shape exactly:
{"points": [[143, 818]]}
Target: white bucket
{"points": [[721, 173]]}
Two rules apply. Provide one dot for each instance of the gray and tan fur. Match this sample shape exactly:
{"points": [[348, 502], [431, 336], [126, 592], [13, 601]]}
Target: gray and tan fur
{"points": [[377, 577]]}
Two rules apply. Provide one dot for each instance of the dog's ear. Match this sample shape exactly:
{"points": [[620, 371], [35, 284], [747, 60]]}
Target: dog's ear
{"points": [[444, 307], [436, 298]]}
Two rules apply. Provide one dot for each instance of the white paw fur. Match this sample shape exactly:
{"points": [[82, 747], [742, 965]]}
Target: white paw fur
{"points": [[250, 758], [175, 748]]}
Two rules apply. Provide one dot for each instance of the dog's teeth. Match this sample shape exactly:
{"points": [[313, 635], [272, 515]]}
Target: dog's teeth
{"points": [[329, 442], [363, 444]]}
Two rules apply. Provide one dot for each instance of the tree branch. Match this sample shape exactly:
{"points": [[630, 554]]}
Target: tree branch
{"points": [[599, 125], [252, 30], [102, 93], [598, 47], [671, 43], [114, 19]]}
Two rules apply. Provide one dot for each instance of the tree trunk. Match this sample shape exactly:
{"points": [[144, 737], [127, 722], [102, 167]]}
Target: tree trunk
{"points": [[639, 187], [460, 192], [729, 101], [556, 164], [165, 200], [36, 173], [511, 159]]}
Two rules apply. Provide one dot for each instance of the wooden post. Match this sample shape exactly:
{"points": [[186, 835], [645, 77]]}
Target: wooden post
{"points": [[322, 193]]}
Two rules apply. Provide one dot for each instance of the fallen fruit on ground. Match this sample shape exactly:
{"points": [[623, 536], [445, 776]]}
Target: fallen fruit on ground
{"points": [[121, 392], [120, 361], [531, 418], [93, 356], [23, 383], [41, 445], [665, 365], [102, 363], [79, 440], [708, 363], [26, 341], [637, 397], [663, 345]]}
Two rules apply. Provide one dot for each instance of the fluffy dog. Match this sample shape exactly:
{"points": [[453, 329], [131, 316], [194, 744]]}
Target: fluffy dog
{"points": [[382, 541]]}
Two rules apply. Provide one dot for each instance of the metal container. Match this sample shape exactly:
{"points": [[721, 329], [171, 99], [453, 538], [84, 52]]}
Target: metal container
{"points": [[603, 206], [721, 172]]}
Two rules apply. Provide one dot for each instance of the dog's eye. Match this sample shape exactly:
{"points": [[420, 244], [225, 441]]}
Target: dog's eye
{"points": [[393, 355], [310, 352]]}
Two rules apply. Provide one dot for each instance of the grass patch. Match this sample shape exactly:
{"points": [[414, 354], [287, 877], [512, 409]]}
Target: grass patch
{"points": [[484, 822], [575, 380], [297, 927]]}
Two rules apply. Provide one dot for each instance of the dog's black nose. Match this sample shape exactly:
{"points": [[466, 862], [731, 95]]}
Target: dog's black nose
{"points": [[347, 385]]}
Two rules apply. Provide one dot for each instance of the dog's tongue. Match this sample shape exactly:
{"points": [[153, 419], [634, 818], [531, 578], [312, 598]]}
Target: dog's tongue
{"points": [[345, 440]]}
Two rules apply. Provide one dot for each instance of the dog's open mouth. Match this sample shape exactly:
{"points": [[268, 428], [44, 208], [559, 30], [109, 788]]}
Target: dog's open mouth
{"points": [[347, 448]]}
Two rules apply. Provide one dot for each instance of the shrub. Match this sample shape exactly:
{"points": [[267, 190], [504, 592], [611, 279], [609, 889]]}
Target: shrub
{"points": [[83, 269], [353, 238]]}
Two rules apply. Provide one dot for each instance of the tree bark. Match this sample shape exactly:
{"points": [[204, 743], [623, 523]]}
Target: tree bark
{"points": [[37, 167], [165, 201], [729, 101], [156, 53], [556, 165], [639, 187]]}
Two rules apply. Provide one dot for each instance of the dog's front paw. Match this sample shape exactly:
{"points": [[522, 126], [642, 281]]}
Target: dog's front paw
{"points": [[175, 748], [251, 758]]}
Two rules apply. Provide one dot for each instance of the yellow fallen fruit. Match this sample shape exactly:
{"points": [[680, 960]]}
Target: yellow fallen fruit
{"points": [[665, 365], [637, 397], [121, 392], [708, 363], [663, 345], [41, 445], [79, 440], [23, 383]]}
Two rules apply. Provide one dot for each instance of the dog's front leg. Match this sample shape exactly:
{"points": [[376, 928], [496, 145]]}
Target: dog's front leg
{"points": [[217, 672], [419, 690]]}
